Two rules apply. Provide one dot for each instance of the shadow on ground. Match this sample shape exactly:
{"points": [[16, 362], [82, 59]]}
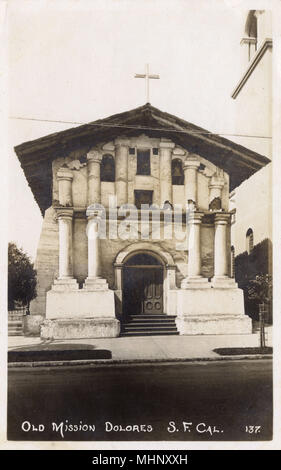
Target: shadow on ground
{"points": [[57, 352], [239, 351]]}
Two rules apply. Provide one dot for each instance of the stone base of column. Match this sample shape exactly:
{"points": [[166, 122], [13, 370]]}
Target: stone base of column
{"points": [[211, 312], [80, 303], [223, 282], [195, 282], [214, 325], [94, 284], [65, 284], [80, 328]]}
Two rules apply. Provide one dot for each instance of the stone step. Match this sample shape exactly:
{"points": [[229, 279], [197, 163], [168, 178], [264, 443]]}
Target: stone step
{"points": [[149, 333], [155, 331], [15, 333], [143, 326], [15, 323], [147, 318], [15, 317], [150, 323]]}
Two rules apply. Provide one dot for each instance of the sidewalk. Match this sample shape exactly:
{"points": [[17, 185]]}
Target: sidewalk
{"points": [[141, 349]]}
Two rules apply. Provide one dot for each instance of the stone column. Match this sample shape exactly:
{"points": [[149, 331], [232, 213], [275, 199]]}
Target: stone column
{"points": [[221, 268], [65, 177], [94, 280], [94, 184], [93, 248], [194, 276], [215, 187], [121, 173], [166, 194], [190, 168], [65, 220]]}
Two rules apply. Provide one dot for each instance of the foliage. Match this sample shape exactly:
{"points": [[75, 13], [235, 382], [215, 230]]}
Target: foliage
{"points": [[253, 273], [260, 288], [21, 277]]}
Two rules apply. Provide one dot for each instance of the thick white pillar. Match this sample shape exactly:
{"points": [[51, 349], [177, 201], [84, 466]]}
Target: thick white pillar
{"points": [[221, 256], [220, 246], [194, 276], [94, 184], [166, 188], [65, 177], [65, 278], [94, 280], [194, 245], [93, 248], [121, 173], [190, 169]]}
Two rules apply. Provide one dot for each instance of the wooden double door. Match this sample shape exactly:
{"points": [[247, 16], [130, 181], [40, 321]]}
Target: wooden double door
{"points": [[143, 290]]}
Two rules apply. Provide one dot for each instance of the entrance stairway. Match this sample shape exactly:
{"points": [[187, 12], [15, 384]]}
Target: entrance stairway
{"points": [[149, 325], [15, 324]]}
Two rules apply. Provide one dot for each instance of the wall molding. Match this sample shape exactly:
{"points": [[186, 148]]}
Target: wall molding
{"points": [[267, 44]]}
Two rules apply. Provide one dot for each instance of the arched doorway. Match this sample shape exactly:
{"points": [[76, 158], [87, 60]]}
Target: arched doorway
{"points": [[143, 275]]}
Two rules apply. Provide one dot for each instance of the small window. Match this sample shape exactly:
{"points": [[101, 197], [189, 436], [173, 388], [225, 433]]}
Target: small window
{"points": [[107, 169], [177, 172], [155, 151], [132, 151], [143, 162], [143, 197], [201, 167], [249, 240]]}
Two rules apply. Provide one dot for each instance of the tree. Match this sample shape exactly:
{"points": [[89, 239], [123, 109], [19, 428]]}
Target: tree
{"points": [[259, 291], [21, 277]]}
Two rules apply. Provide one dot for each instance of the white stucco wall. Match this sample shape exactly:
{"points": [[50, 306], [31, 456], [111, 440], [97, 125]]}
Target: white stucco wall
{"points": [[253, 209]]}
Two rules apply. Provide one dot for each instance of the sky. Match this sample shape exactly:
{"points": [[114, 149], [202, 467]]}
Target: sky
{"points": [[76, 61]]}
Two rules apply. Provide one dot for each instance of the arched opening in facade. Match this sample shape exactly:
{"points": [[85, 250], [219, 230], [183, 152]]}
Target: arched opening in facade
{"points": [[177, 172], [143, 276], [107, 169], [249, 240]]}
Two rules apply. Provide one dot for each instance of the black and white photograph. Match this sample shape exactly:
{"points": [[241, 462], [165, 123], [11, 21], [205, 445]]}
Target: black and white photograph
{"points": [[139, 224]]}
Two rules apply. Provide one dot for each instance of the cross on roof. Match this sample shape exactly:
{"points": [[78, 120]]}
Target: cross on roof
{"points": [[147, 76]]}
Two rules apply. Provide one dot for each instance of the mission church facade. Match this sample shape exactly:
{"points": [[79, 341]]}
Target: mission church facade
{"points": [[105, 266]]}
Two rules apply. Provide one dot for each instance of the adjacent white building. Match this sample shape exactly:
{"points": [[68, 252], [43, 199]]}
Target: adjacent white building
{"points": [[253, 100]]}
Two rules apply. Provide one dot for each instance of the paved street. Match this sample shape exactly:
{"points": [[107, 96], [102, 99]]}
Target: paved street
{"points": [[220, 399]]}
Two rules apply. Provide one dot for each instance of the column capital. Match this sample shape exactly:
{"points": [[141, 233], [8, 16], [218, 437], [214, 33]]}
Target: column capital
{"points": [[222, 218], [195, 217], [166, 145], [216, 182], [64, 212], [94, 156], [94, 214], [119, 142], [64, 173], [191, 162]]}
